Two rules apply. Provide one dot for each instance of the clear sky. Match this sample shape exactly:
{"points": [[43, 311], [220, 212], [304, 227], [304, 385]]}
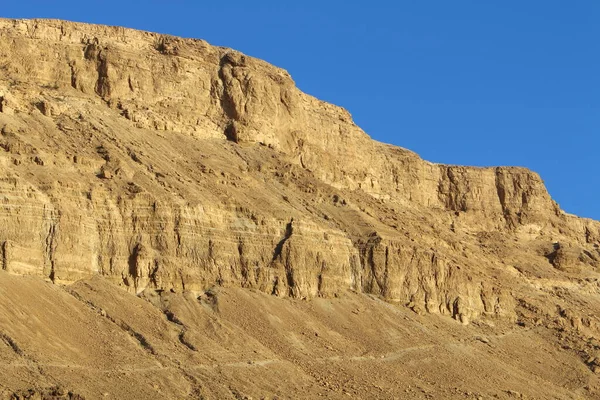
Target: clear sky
{"points": [[473, 82]]}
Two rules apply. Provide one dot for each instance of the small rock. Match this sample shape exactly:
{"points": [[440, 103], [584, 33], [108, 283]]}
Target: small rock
{"points": [[482, 339], [105, 174], [38, 160]]}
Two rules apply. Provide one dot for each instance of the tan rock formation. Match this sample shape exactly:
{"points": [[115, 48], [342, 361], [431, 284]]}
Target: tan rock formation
{"points": [[166, 164], [91, 185]]}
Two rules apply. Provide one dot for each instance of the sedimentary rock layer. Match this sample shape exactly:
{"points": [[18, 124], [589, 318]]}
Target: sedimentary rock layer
{"points": [[164, 164]]}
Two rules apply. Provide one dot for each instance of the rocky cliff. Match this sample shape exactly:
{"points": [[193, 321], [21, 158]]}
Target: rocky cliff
{"points": [[220, 197], [165, 164]]}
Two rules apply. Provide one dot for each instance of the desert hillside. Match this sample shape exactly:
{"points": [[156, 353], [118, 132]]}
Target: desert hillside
{"points": [[178, 220]]}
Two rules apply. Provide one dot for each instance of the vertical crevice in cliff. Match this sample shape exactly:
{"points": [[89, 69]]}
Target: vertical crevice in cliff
{"points": [[356, 272], [103, 85], [370, 264], [289, 229], [139, 258], [73, 68], [231, 132], [50, 244], [5, 255], [320, 278], [501, 191], [511, 219], [132, 264], [244, 268], [94, 53], [278, 256], [229, 103], [232, 93], [385, 289], [153, 275]]}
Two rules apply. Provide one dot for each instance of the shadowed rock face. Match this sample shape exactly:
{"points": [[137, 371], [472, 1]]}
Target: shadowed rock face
{"points": [[166, 164]]}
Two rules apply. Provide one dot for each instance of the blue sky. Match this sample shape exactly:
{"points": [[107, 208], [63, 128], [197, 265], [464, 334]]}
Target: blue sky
{"points": [[463, 82]]}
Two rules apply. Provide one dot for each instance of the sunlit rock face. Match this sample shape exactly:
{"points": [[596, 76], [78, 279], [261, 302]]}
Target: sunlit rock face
{"points": [[164, 164]]}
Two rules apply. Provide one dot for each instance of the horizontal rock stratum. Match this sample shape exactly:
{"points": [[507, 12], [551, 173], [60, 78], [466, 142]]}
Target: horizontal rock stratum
{"points": [[170, 167]]}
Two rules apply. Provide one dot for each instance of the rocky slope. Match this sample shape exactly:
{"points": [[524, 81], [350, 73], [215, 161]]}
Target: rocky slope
{"points": [[168, 165]]}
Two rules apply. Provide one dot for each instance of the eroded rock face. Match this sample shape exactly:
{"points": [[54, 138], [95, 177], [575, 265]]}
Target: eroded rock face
{"points": [[169, 164]]}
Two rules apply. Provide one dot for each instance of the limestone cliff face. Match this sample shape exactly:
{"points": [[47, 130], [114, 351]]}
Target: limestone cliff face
{"points": [[166, 163]]}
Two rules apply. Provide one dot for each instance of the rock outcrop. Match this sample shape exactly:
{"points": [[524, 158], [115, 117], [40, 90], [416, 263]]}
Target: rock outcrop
{"points": [[165, 164]]}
